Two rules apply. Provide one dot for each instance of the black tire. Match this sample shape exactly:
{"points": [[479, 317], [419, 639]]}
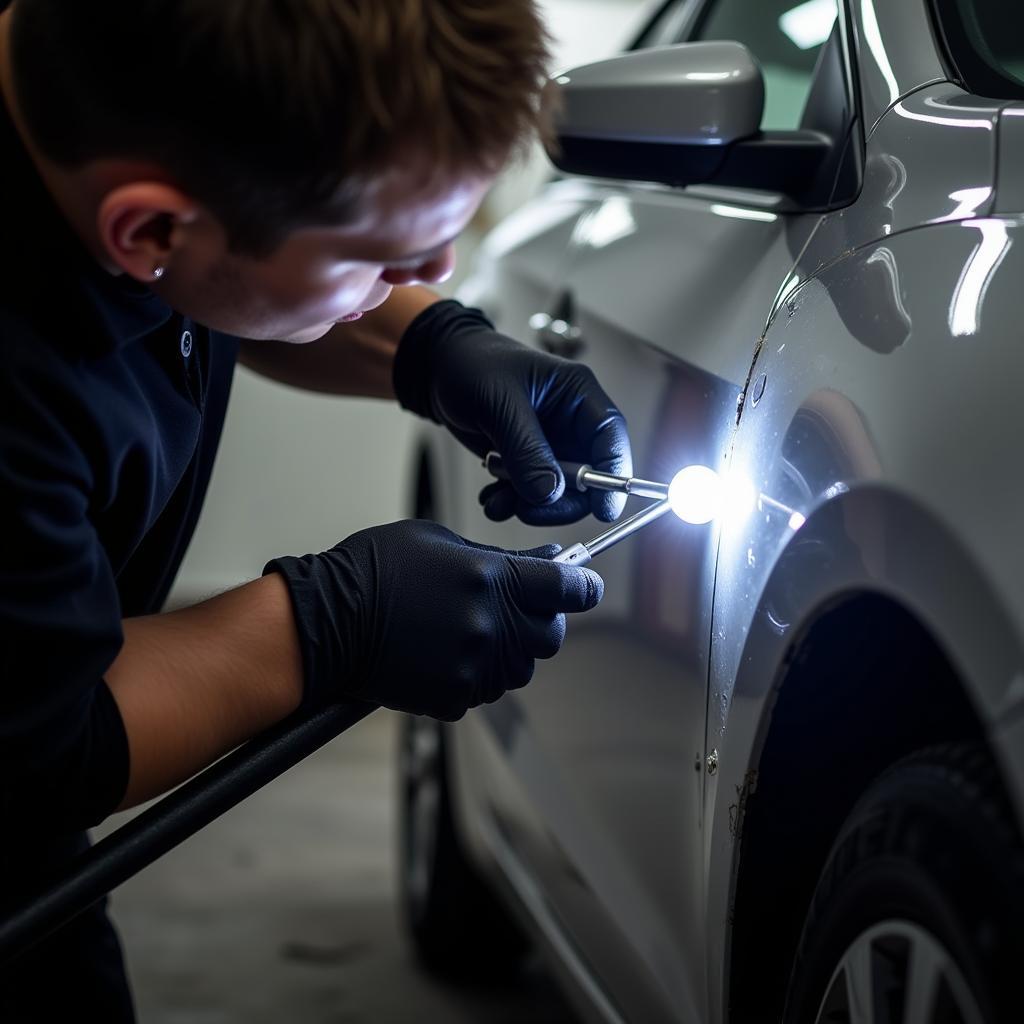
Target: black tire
{"points": [[459, 931], [928, 869]]}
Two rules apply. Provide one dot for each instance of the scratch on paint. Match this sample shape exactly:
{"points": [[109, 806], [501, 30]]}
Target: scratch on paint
{"points": [[737, 810], [746, 384]]}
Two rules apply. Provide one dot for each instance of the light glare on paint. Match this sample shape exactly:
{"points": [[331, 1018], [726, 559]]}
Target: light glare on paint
{"points": [[697, 494]]}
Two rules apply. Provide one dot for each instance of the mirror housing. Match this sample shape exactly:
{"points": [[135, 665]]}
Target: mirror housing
{"points": [[699, 94], [690, 114]]}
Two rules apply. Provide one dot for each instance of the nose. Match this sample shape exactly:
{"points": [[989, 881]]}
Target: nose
{"points": [[431, 271]]}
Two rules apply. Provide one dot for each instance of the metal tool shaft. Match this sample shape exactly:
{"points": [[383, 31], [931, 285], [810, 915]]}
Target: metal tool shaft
{"points": [[593, 479], [584, 478], [581, 554], [163, 826]]}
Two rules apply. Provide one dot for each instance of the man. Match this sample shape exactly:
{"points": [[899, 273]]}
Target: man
{"points": [[179, 175]]}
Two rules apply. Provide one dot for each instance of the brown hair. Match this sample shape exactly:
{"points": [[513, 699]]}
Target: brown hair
{"points": [[276, 113]]}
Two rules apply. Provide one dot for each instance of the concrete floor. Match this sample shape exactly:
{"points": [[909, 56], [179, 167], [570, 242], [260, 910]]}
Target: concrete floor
{"points": [[284, 910]]}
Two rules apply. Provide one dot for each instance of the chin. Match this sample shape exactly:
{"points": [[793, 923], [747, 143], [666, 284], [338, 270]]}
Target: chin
{"points": [[378, 299]]}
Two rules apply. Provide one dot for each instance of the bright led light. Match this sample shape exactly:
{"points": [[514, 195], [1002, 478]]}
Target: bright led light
{"points": [[796, 520], [695, 494]]}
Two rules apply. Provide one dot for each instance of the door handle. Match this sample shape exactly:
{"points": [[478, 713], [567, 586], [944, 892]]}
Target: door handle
{"points": [[557, 336]]}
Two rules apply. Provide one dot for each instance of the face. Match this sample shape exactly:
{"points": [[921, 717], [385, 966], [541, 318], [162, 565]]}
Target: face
{"points": [[321, 276]]}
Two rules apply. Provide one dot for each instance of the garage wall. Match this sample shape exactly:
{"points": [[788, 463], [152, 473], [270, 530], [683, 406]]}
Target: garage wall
{"points": [[298, 472]]}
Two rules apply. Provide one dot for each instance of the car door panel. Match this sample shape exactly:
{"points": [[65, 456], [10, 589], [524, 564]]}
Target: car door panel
{"points": [[597, 787], [592, 776]]}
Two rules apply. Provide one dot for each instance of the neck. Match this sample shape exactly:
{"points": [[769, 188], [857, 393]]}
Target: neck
{"points": [[73, 192]]}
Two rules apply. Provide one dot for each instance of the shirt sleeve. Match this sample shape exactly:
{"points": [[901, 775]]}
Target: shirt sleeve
{"points": [[63, 748]]}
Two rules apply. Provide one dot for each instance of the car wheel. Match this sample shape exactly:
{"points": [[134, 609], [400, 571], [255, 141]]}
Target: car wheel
{"points": [[917, 916], [458, 929]]}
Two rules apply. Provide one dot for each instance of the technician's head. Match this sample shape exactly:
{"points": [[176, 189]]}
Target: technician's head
{"points": [[273, 166]]}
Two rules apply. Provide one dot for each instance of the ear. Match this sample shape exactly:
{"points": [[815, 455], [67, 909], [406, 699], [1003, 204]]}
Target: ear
{"points": [[143, 226]]}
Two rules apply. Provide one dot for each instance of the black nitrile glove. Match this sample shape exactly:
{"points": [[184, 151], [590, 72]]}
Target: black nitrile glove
{"points": [[415, 618], [493, 393]]}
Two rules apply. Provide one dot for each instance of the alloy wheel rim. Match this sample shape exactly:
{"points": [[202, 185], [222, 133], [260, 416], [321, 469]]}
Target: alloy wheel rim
{"points": [[897, 971]]}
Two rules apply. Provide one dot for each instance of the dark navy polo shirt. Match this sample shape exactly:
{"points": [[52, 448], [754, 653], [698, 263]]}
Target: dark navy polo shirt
{"points": [[111, 408]]}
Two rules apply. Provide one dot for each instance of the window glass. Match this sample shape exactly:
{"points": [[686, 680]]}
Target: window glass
{"points": [[785, 36], [986, 42], [669, 26]]}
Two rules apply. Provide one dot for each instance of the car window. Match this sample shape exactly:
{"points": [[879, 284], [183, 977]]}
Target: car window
{"points": [[785, 36], [669, 26], [985, 40]]}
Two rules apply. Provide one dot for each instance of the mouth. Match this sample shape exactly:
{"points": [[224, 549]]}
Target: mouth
{"points": [[349, 317]]}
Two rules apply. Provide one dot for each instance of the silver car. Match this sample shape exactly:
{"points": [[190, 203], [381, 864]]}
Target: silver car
{"points": [[779, 773]]}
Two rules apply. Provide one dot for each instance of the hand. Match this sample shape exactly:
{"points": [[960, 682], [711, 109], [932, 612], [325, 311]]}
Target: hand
{"points": [[493, 393], [413, 617]]}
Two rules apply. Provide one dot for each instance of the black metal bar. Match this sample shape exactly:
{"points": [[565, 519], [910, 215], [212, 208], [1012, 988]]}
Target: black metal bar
{"points": [[177, 816]]}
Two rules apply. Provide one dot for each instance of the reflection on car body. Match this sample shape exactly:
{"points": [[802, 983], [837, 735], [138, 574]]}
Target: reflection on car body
{"points": [[844, 648]]}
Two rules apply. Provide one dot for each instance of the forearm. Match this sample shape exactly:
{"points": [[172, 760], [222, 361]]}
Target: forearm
{"points": [[351, 359], [192, 684]]}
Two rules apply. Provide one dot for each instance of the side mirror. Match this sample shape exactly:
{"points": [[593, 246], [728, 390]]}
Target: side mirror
{"points": [[687, 115], [699, 94]]}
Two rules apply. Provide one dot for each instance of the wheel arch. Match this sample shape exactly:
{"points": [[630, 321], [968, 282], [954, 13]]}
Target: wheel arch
{"points": [[862, 681], [812, 769]]}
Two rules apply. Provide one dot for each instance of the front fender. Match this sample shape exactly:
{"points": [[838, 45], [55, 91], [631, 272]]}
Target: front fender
{"points": [[877, 459]]}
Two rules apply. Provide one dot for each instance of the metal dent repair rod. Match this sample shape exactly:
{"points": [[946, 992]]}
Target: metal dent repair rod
{"points": [[163, 826], [581, 554], [585, 478]]}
